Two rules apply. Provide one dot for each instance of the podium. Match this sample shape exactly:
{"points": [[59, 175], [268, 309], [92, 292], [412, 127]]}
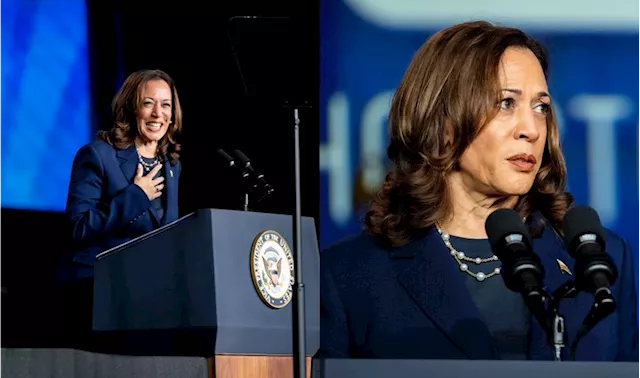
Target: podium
{"points": [[215, 284], [366, 368]]}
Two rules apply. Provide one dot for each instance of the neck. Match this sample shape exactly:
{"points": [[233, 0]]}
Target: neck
{"points": [[470, 210], [147, 149]]}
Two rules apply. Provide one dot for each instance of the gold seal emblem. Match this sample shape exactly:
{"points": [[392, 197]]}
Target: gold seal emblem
{"points": [[272, 269]]}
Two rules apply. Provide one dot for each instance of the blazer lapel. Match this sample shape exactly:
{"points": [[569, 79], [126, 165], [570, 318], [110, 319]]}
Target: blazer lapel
{"points": [[550, 248], [128, 160], [433, 281], [171, 192]]}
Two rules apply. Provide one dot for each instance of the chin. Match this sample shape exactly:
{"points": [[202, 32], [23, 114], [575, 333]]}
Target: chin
{"points": [[509, 175], [154, 136], [514, 189], [520, 192], [516, 186]]}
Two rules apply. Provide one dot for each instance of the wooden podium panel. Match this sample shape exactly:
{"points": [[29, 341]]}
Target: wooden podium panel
{"points": [[230, 366]]}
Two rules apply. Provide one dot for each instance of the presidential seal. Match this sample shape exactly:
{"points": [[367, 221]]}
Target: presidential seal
{"points": [[272, 269]]}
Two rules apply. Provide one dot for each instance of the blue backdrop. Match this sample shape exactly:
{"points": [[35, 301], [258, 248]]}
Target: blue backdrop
{"points": [[593, 79], [45, 100]]}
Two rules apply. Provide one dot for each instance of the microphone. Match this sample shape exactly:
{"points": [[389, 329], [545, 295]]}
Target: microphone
{"points": [[584, 240], [255, 182], [258, 176], [232, 163], [595, 272], [522, 270]]}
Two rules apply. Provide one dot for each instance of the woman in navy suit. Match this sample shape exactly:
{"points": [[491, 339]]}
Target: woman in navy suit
{"points": [[472, 129], [125, 183]]}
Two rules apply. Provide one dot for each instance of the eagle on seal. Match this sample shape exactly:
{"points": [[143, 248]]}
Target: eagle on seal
{"points": [[272, 267]]}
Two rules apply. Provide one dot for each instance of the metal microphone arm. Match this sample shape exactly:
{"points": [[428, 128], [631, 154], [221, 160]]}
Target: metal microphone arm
{"points": [[558, 331], [603, 306]]}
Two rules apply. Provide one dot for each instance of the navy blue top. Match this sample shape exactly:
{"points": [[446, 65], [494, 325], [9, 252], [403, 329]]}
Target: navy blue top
{"points": [[502, 310], [414, 302]]}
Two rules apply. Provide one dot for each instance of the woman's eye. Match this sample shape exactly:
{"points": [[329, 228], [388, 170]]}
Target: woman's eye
{"points": [[507, 103], [543, 108]]}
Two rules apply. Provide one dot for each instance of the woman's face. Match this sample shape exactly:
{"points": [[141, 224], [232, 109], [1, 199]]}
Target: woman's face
{"points": [[154, 114], [507, 153]]}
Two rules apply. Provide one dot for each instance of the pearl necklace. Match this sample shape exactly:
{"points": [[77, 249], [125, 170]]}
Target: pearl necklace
{"points": [[148, 166], [460, 257]]}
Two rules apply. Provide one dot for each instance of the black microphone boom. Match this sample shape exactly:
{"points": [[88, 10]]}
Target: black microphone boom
{"points": [[521, 269], [595, 272]]}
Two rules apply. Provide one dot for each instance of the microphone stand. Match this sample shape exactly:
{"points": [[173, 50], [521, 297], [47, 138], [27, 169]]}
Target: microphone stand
{"points": [[299, 318], [250, 187], [299, 333], [252, 184], [299, 358], [603, 306], [259, 190], [558, 331]]}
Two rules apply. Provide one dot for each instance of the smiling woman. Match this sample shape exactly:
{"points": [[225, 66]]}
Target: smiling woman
{"points": [[123, 185], [118, 190], [145, 110]]}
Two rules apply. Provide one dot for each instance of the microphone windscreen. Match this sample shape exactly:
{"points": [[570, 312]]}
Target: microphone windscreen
{"points": [[503, 222], [224, 155], [580, 220], [243, 158]]}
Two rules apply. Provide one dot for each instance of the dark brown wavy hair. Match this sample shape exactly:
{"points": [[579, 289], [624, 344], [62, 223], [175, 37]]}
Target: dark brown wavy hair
{"points": [[451, 88], [124, 126]]}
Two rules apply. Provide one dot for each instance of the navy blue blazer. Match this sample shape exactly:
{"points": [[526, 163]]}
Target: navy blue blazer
{"points": [[411, 302], [105, 208]]}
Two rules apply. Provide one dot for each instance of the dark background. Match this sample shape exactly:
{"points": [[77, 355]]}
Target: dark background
{"points": [[191, 43]]}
